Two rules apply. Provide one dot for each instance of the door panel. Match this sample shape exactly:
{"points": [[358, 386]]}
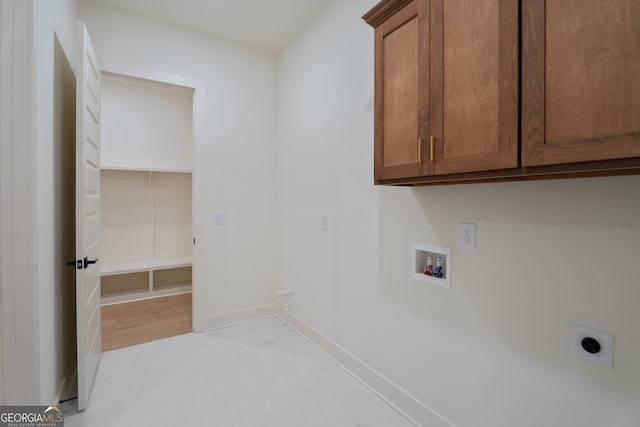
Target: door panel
{"points": [[87, 214], [581, 92], [592, 67], [470, 78], [478, 127], [402, 92]]}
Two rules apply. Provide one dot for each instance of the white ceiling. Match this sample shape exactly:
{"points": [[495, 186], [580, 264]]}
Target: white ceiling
{"points": [[265, 24]]}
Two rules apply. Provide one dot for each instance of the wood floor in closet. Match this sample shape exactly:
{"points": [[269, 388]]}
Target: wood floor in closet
{"points": [[138, 322]]}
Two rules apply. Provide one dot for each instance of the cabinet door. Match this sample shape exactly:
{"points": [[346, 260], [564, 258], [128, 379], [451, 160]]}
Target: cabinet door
{"points": [[474, 69], [402, 92], [581, 80]]}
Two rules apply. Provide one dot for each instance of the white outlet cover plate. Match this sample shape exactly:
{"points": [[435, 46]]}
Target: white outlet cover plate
{"points": [[467, 235], [324, 221], [218, 218], [604, 357]]}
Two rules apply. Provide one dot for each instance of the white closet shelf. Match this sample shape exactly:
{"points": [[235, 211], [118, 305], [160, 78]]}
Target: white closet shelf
{"points": [[137, 169], [112, 268], [130, 296]]}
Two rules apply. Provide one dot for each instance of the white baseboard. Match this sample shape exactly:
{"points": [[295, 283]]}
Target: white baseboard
{"points": [[240, 316], [402, 401]]}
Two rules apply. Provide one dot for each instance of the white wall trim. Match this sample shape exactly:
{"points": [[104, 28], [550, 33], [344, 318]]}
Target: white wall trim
{"points": [[402, 401], [231, 318], [18, 277]]}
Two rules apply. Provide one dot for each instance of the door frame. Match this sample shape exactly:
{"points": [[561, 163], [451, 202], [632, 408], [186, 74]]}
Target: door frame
{"points": [[198, 289], [20, 361]]}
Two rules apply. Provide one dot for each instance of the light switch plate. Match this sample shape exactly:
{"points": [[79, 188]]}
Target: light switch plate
{"points": [[217, 218], [324, 224], [582, 336], [467, 234]]}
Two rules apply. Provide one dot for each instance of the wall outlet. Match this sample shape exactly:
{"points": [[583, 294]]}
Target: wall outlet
{"points": [[592, 345], [324, 221], [467, 234], [217, 218]]}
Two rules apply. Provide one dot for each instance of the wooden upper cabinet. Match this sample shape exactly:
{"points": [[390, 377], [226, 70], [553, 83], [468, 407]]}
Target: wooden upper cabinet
{"points": [[446, 86], [474, 74], [401, 87], [457, 101], [581, 80]]}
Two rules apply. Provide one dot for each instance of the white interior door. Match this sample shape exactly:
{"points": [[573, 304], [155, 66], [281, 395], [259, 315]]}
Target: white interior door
{"points": [[87, 214]]}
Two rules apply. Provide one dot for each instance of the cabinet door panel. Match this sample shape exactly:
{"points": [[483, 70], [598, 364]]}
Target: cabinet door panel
{"points": [[581, 97], [478, 129], [470, 78], [401, 92]]}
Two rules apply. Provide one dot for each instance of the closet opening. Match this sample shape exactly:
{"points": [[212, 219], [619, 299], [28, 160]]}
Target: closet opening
{"points": [[146, 210]]}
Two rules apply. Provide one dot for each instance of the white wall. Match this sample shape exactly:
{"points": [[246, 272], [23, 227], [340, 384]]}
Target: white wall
{"points": [[494, 350], [235, 136], [52, 134]]}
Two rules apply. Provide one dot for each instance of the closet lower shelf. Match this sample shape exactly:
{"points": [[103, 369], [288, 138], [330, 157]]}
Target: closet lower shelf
{"points": [[134, 281], [136, 295]]}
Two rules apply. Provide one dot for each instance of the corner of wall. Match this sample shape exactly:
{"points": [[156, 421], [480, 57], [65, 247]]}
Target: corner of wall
{"points": [[394, 395]]}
